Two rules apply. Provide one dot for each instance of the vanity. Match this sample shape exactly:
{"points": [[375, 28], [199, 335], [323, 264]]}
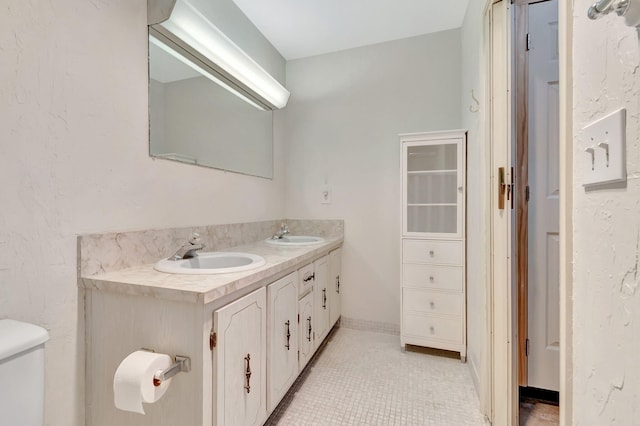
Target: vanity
{"points": [[248, 334]]}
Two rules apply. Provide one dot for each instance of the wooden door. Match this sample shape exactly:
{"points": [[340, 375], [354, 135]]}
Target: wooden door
{"points": [[544, 209], [283, 337], [239, 361], [335, 300], [305, 330], [321, 299]]}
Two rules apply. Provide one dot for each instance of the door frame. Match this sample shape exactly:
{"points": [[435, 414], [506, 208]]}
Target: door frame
{"points": [[504, 384], [565, 41], [504, 411]]}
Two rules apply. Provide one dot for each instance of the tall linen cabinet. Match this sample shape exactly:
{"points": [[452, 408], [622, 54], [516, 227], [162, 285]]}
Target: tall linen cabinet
{"points": [[433, 283]]}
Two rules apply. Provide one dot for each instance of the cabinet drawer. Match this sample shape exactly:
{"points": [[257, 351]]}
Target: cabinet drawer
{"points": [[430, 276], [425, 301], [432, 252], [306, 277], [427, 327]]}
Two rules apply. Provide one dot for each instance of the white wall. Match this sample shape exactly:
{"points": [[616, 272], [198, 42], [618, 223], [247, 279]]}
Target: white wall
{"points": [[606, 63], [74, 159], [473, 118], [342, 126]]}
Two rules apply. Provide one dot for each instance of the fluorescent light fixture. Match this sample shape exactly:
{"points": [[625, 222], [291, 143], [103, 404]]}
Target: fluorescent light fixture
{"points": [[204, 72], [187, 26]]}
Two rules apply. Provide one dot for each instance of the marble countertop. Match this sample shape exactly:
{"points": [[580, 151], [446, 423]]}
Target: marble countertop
{"points": [[145, 281]]}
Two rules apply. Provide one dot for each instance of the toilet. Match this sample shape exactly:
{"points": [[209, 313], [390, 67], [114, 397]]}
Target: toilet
{"points": [[21, 373]]}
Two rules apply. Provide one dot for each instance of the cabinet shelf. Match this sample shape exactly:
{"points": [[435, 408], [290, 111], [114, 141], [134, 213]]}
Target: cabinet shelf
{"points": [[432, 172], [431, 205]]}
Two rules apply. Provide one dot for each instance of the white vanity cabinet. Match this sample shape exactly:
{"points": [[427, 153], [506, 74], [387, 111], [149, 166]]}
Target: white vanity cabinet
{"points": [[335, 300], [283, 337], [247, 339], [433, 301], [239, 361]]}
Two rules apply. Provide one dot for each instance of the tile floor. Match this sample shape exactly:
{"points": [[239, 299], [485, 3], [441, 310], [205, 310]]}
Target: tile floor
{"points": [[362, 378]]}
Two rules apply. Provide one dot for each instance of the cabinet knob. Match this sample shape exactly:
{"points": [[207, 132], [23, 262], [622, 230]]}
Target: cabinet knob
{"points": [[460, 189], [431, 253], [431, 279], [432, 304], [432, 329]]}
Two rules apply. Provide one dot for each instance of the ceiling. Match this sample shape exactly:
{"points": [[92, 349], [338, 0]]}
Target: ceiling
{"points": [[301, 28]]}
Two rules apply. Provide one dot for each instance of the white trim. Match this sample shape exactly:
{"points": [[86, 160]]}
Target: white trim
{"points": [[565, 27], [504, 388]]}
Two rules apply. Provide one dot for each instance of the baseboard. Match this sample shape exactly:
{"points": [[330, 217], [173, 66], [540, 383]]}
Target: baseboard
{"points": [[365, 325], [474, 374]]}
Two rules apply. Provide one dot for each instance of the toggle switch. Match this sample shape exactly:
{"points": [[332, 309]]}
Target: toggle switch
{"points": [[604, 143]]}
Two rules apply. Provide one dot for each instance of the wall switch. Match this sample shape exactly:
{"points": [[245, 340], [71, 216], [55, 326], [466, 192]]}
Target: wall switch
{"points": [[603, 142], [325, 195]]}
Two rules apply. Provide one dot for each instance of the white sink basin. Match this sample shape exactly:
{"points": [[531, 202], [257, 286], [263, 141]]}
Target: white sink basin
{"points": [[211, 263], [295, 240]]}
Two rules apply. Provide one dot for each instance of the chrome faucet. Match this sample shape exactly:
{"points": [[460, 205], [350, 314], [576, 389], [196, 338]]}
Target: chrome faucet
{"points": [[188, 249], [284, 230]]}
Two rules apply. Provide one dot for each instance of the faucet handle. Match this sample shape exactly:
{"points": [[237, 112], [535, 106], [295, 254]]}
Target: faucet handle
{"points": [[194, 238]]}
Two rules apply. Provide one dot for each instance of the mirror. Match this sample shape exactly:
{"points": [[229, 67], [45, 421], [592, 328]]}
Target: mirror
{"points": [[196, 121]]}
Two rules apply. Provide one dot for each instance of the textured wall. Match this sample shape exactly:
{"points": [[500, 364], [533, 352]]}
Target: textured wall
{"points": [[74, 159], [342, 126], [606, 73]]}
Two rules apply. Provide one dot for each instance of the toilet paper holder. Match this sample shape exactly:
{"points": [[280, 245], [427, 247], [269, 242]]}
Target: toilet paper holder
{"points": [[181, 364]]}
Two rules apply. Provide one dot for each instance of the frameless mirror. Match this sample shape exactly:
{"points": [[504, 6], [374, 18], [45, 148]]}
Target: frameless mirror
{"points": [[194, 120]]}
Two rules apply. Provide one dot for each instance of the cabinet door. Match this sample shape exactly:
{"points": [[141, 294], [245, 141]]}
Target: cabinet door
{"points": [[433, 188], [239, 361], [335, 302], [305, 330], [321, 299], [283, 337]]}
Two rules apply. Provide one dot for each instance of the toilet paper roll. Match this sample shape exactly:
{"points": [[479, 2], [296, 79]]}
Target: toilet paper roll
{"points": [[133, 381]]}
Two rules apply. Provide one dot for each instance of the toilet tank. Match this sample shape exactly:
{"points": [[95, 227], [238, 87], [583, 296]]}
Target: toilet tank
{"points": [[21, 373]]}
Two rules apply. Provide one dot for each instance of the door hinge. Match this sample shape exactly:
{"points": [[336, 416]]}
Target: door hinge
{"points": [[528, 42], [526, 347], [526, 193], [213, 340]]}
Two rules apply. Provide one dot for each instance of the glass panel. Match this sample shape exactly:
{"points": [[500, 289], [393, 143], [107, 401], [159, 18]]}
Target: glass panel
{"points": [[437, 219], [432, 157], [432, 188]]}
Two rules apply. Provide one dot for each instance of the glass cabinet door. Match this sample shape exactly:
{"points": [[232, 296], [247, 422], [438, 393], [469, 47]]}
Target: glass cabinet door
{"points": [[432, 191]]}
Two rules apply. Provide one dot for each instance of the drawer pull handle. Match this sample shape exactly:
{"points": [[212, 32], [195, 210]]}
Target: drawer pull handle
{"points": [[431, 253], [288, 335], [324, 298], [248, 373], [432, 304], [309, 277], [309, 329]]}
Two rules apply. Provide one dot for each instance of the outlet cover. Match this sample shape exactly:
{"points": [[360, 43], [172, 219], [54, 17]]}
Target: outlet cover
{"points": [[325, 195], [604, 158]]}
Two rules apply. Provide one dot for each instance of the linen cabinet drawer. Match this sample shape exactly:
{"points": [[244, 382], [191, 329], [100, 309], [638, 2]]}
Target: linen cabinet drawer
{"points": [[429, 276], [417, 300], [428, 327], [307, 278], [432, 252]]}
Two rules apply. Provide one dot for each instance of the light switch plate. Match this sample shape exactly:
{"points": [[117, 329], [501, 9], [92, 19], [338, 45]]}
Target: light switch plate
{"points": [[604, 150]]}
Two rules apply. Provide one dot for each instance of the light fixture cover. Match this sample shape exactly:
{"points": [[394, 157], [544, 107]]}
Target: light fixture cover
{"points": [[193, 28]]}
